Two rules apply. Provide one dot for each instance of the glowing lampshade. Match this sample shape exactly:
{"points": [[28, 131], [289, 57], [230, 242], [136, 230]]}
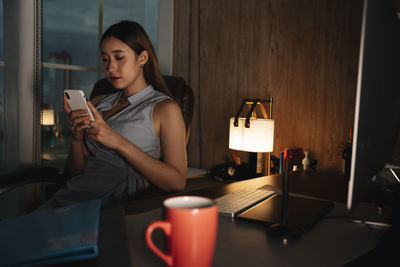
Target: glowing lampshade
{"points": [[259, 137], [47, 117]]}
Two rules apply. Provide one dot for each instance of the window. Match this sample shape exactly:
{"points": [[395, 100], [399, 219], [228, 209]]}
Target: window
{"points": [[64, 35], [70, 56]]}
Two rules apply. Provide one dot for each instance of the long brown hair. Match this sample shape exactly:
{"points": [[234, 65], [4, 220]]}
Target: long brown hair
{"points": [[133, 34]]}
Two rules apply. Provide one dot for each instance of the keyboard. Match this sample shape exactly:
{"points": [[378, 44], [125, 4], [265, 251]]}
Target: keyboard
{"points": [[235, 203]]}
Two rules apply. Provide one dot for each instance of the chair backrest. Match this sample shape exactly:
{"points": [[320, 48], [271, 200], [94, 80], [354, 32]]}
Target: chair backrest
{"points": [[181, 92]]}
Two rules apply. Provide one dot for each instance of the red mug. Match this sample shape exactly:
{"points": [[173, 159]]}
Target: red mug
{"points": [[191, 227]]}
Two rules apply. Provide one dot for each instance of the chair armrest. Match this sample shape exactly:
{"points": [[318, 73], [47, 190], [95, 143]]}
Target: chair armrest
{"points": [[27, 175]]}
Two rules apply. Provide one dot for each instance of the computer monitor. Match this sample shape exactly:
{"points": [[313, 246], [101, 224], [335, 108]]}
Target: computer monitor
{"points": [[377, 109]]}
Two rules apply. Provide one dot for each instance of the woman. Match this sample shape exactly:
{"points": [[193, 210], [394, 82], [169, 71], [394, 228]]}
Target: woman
{"points": [[118, 154]]}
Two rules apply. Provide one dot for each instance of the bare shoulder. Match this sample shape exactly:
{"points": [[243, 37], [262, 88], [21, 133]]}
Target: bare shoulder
{"points": [[166, 109], [167, 114]]}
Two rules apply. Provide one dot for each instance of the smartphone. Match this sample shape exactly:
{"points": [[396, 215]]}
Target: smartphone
{"points": [[77, 100]]}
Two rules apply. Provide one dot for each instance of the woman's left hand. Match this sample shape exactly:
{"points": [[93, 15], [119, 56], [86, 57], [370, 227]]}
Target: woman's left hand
{"points": [[101, 132]]}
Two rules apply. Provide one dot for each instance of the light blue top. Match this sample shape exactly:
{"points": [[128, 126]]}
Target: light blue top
{"points": [[135, 122], [107, 175]]}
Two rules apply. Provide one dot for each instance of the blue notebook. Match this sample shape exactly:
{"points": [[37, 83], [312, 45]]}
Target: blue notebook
{"points": [[51, 236]]}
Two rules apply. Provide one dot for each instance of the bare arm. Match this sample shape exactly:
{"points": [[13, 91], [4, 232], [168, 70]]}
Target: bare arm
{"points": [[169, 174], [77, 151]]}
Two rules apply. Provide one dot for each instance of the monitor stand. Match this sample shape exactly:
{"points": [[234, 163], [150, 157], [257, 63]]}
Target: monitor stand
{"points": [[288, 217]]}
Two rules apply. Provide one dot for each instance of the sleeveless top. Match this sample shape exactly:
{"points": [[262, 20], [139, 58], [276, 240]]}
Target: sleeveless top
{"points": [[107, 175]]}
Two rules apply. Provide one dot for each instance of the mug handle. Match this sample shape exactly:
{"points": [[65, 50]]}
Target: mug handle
{"points": [[166, 227]]}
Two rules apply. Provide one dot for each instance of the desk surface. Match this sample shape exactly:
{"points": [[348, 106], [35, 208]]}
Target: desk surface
{"points": [[335, 241], [328, 186]]}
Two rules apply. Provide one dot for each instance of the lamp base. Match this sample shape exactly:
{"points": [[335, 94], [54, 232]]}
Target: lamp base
{"points": [[255, 164], [284, 233]]}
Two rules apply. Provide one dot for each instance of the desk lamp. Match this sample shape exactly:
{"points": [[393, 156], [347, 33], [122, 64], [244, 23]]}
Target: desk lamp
{"points": [[252, 134]]}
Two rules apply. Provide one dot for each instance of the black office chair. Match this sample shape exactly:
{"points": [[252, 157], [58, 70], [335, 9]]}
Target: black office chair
{"points": [[182, 94]]}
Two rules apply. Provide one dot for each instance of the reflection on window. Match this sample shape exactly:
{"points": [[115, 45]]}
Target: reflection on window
{"points": [[70, 27], [70, 57], [143, 12]]}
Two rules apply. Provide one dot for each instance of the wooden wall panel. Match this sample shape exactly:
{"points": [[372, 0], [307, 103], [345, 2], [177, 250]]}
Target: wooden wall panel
{"points": [[219, 75], [185, 64], [303, 53], [181, 37], [312, 75]]}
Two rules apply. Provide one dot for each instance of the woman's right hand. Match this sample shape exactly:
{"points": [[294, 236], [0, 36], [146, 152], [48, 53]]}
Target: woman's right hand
{"points": [[76, 122]]}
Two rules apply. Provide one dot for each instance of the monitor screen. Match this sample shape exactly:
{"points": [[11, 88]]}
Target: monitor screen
{"points": [[377, 109]]}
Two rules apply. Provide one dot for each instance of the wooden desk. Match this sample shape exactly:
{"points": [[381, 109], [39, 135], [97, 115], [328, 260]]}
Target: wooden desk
{"points": [[329, 186], [333, 242], [336, 240]]}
